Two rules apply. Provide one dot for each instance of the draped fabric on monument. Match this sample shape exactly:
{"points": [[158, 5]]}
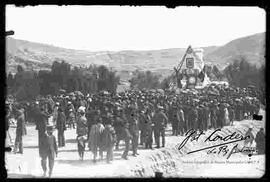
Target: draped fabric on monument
{"points": [[189, 72]]}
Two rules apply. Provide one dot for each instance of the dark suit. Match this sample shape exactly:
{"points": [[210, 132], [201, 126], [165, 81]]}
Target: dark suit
{"points": [[160, 121], [134, 131], [48, 151], [61, 127], [41, 122]]}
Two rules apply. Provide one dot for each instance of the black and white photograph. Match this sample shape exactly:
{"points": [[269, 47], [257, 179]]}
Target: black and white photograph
{"points": [[135, 91]]}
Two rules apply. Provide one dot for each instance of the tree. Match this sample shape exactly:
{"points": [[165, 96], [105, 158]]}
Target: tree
{"points": [[145, 80], [241, 73]]}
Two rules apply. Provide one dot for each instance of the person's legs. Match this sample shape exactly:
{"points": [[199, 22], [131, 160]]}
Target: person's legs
{"points": [[125, 154], [44, 164], [20, 145], [163, 137], [111, 153], [100, 153], [79, 149], [157, 138], [147, 141], [143, 136], [95, 154], [109, 156], [16, 144], [59, 138], [173, 128], [150, 138], [83, 149], [117, 144], [135, 144], [63, 138], [51, 164]]}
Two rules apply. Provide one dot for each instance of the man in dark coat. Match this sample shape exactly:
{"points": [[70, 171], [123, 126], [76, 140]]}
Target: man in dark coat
{"points": [[143, 121], [20, 130], [41, 122], [148, 130], [109, 138], [92, 118], [175, 120], [61, 127], [49, 151], [134, 131], [160, 121], [193, 118]]}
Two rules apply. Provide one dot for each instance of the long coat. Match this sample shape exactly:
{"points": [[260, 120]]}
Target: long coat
{"points": [[50, 147], [160, 121], [108, 137], [122, 129], [95, 136]]}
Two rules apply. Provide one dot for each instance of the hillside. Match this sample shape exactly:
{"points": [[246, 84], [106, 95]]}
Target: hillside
{"points": [[251, 47], [40, 56]]}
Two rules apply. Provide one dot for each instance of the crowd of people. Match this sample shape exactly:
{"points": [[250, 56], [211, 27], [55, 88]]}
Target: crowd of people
{"points": [[136, 117]]}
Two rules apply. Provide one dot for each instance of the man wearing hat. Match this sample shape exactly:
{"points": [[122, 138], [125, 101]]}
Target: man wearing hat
{"points": [[61, 127], [55, 112], [20, 130], [49, 150], [41, 122], [143, 119], [108, 140], [95, 136], [134, 131], [81, 131], [160, 121]]}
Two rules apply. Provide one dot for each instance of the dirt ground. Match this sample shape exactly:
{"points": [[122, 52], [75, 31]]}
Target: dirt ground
{"points": [[167, 160]]}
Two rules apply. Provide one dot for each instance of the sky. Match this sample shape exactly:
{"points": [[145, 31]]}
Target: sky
{"points": [[115, 28]]}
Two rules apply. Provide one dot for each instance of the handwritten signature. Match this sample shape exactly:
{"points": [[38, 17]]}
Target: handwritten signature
{"points": [[194, 135]]}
